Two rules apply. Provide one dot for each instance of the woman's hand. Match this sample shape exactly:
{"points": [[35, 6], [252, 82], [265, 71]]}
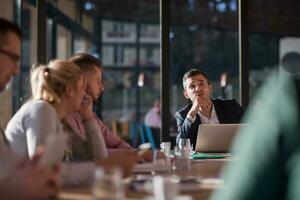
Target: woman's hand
{"points": [[86, 109]]}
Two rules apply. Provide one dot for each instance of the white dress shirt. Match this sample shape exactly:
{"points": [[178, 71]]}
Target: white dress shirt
{"points": [[205, 120], [213, 117]]}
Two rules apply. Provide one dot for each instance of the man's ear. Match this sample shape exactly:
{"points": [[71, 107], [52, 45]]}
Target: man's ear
{"points": [[69, 90], [185, 94]]}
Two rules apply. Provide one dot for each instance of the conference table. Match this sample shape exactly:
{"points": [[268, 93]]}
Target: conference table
{"points": [[208, 169]]}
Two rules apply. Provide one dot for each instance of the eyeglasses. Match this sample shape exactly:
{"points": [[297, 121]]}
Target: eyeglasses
{"points": [[14, 57]]}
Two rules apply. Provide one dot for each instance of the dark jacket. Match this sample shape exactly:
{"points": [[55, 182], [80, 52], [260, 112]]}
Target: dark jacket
{"points": [[228, 111]]}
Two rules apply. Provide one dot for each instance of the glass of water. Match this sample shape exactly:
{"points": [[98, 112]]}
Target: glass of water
{"points": [[165, 147], [108, 184], [184, 143], [161, 163], [165, 188]]}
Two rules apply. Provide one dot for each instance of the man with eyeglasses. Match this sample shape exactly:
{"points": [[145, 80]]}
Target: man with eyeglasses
{"points": [[10, 48], [19, 177]]}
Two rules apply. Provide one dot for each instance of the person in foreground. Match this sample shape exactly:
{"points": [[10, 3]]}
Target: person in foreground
{"points": [[19, 177], [269, 147], [203, 109]]}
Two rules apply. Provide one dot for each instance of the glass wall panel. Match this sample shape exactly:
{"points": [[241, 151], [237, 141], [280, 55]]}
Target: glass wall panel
{"points": [[88, 23], [118, 99], [149, 82], [63, 43], [274, 32], [264, 51], [127, 47], [69, 8], [150, 45], [204, 35], [29, 56], [118, 55]]}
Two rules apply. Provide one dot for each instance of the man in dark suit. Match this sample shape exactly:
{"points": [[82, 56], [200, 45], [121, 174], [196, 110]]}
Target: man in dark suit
{"points": [[203, 109]]}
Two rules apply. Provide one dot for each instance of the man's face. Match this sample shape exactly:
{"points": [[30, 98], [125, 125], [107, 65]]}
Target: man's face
{"points": [[94, 83], [9, 58], [197, 86], [80, 91]]}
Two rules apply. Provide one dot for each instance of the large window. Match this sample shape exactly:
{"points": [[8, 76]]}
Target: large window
{"points": [[274, 32], [125, 35], [206, 38], [130, 54]]}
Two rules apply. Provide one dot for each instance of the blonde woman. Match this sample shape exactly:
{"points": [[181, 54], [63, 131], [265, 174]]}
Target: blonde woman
{"points": [[59, 89]]}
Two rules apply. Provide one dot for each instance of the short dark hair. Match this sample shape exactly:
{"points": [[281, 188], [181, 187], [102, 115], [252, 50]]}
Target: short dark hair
{"points": [[6, 27], [86, 61], [191, 73]]}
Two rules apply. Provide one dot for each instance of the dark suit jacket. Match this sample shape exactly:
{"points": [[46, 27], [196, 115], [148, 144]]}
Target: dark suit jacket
{"points": [[228, 111]]}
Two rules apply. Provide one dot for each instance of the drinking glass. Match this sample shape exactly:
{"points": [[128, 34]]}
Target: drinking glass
{"points": [[165, 147], [184, 143], [181, 161], [165, 188], [160, 164], [108, 184]]}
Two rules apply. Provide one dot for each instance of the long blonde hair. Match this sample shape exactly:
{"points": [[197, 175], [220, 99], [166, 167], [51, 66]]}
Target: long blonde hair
{"points": [[49, 82]]}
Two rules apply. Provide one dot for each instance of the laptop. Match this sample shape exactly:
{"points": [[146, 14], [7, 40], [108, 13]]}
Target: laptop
{"points": [[216, 138]]}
